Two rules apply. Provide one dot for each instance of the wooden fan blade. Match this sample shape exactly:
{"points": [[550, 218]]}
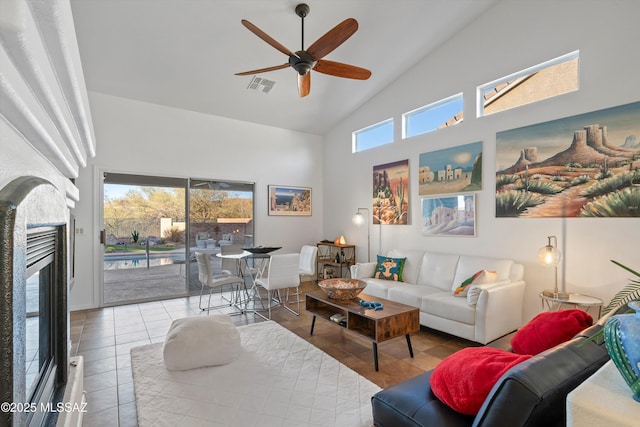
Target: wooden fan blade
{"points": [[332, 39], [262, 70], [267, 38], [304, 84], [339, 69]]}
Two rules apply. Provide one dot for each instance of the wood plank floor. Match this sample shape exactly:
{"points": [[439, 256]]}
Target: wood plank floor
{"points": [[105, 336]]}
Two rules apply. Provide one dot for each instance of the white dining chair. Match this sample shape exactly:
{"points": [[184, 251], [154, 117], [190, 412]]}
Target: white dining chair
{"points": [[308, 262], [306, 269], [208, 280], [282, 273]]}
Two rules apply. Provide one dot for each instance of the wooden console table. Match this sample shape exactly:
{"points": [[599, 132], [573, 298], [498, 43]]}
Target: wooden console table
{"points": [[393, 321]]}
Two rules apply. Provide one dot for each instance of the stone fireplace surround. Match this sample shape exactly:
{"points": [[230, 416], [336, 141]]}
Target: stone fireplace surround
{"points": [[25, 203], [46, 136]]}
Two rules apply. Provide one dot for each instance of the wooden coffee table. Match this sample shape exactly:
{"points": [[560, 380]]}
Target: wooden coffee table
{"points": [[394, 320]]}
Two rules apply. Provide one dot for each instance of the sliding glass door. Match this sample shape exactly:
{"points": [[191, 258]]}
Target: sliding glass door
{"points": [[145, 248], [220, 215], [153, 226]]}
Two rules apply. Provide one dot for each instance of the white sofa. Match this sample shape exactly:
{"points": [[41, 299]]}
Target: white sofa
{"points": [[489, 311]]}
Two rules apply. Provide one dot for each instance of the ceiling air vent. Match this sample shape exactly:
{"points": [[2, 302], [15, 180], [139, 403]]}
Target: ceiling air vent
{"points": [[261, 85]]}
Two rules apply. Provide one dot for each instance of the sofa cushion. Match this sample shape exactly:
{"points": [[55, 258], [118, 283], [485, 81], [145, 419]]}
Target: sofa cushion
{"points": [[464, 379], [549, 329], [196, 342], [443, 304], [438, 270], [389, 268], [411, 294], [469, 265], [412, 265], [380, 288], [482, 276]]}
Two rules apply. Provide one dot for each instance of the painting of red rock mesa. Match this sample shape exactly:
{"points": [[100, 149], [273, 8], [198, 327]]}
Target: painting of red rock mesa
{"points": [[391, 193], [581, 166]]}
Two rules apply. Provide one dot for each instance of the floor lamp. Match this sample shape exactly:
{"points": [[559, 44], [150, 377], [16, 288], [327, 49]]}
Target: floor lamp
{"points": [[358, 219]]}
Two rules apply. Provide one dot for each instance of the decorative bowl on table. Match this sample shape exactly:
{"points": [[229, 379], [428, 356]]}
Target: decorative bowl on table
{"points": [[342, 289], [262, 249]]}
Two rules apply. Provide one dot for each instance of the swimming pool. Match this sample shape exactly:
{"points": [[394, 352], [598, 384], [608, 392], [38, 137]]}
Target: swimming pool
{"points": [[118, 262]]}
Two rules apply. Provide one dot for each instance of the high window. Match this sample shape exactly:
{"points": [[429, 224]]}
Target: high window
{"points": [[437, 115], [551, 78], [373, 136]]}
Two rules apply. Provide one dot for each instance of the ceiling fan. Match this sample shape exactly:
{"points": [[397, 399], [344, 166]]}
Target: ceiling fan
{"points": [[303, 61]]}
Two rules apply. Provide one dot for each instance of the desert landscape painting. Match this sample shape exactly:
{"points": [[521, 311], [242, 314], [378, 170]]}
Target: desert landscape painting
{"points": [[391, 193], [581, 166]]}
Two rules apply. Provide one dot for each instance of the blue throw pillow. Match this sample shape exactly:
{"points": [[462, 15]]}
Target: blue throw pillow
{"points": [[389, 268]]}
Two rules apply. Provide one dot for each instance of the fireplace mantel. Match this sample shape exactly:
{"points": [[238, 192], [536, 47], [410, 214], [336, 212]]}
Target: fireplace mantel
{"points": [[43, 90]]}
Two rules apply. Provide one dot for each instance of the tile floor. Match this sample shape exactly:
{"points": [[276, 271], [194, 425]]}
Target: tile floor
{"points": [[105, 336]]}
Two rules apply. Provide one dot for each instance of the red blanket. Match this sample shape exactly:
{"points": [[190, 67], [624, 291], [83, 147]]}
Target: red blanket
{"points": [[464, 379]]}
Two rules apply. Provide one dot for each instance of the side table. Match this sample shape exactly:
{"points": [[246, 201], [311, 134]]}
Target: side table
{"points": [[585, 302]]}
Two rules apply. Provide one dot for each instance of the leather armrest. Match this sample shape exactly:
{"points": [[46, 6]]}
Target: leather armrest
{"points": [[413, 404]]}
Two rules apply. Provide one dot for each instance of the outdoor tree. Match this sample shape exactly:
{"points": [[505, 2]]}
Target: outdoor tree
{"points": [[146, 204]]}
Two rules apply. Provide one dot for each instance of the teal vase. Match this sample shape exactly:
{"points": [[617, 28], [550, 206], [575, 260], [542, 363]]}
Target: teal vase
{"points": [[622, 338]]}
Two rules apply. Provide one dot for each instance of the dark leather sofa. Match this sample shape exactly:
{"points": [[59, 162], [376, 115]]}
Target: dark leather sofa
{"points": [[532, 393]]}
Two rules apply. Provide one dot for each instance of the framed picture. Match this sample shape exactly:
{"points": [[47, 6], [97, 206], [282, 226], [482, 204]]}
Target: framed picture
{"points": [[289, 201], [451, 171], [391, 193], [328, 273], [582, 166], [449, 216]]}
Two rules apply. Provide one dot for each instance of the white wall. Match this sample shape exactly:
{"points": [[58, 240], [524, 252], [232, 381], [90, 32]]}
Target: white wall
{"points": [[147, 139], [511, 36]]}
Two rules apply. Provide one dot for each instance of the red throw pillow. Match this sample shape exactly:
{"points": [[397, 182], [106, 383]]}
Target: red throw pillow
{"points": [[549, 329], [463, 380]]}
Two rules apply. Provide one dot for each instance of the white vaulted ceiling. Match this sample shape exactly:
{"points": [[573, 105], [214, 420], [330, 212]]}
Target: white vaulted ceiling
{"points": [[184, 53]]}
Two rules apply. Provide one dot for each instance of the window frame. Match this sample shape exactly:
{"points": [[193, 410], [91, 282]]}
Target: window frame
{"points": [[356, 133], [448, 100], [521, 75]]}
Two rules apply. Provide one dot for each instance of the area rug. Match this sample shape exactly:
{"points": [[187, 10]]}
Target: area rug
{"points": [[279, 379]]}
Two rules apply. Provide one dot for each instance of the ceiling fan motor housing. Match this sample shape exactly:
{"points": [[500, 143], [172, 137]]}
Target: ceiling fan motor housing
{"points": [[303, 63]]}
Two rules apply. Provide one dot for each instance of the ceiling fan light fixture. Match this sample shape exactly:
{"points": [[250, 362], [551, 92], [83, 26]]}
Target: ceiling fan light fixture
{"points": [[302, 63], [303, 68]]}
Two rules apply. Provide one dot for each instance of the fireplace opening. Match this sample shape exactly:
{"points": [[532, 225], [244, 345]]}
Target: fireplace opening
{"points": [[41, 363]]}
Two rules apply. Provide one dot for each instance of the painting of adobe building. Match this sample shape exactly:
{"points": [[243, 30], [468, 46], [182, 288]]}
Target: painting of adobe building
{"points": [[451, 171], [391, 193], [581, 166], [449, 216]]}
